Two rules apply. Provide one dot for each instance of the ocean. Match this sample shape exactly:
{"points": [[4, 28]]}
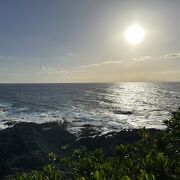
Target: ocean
{"points": [[105, 106]]}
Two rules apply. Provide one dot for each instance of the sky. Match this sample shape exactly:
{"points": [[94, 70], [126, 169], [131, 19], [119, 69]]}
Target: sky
{"points": [[68, 41]]}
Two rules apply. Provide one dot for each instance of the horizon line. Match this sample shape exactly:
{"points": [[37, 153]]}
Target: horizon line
{"points": [[4, 83]]}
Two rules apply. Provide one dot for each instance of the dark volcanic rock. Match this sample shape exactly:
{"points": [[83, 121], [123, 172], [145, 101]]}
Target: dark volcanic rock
{"points": [[123, 112], [89, 130], [106, 141], [26, 145]]}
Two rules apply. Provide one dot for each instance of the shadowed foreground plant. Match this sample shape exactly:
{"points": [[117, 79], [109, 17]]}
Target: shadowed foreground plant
{"points": [[47, 173], [151, 158], [157, 164]]}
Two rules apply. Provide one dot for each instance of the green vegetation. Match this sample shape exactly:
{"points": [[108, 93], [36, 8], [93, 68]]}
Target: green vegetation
{"points": [[153, 157]]}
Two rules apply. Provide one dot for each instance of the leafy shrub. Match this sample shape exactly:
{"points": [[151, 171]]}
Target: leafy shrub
{"points": [[153, 157]]}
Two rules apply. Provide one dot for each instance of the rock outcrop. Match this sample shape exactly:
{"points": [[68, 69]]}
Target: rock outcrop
{"points": [[25, 146]]}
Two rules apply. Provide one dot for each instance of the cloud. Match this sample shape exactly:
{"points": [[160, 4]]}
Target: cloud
{"points": [[68, 55], [43, 70], [71, 54], [171, 55], [47, 70], [166, 56], [89, 66], [6, 57], [113, 62], [95, 65], [143, 58], [77, 71]]}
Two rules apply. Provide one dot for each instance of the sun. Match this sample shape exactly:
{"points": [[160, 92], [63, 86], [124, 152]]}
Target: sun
{"points": [[134, 34]]}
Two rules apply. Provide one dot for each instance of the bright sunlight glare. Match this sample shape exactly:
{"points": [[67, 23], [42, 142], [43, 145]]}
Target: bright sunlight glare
{"points": [[134, 34]]}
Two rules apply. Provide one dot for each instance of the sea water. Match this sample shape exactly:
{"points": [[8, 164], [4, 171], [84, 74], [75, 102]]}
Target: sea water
{"points": [[106, 106]]}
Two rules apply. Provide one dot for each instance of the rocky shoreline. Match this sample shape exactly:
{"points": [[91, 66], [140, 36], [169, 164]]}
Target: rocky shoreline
{"points": [[25, 146]]}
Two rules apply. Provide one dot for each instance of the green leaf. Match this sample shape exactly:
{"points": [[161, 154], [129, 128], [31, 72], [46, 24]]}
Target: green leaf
{"points": [[125, 178]]}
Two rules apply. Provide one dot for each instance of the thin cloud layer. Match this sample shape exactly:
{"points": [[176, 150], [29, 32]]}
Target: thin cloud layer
{"points": [[171, 56], [6, 57], [105, 62], [113, 62], [89, 66], [71, 54], [43, 70], [47, 70], [143, 58]]}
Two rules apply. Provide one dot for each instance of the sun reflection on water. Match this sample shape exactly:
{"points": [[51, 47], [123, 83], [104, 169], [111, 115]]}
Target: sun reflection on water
{"points": [[139, 104]]}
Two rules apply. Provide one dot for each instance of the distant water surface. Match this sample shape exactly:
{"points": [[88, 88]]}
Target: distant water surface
{"points": [[106, 106]]}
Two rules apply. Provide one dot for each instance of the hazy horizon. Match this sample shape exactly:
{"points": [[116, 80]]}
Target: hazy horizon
{"points": [[83, 41], [120, 82]]}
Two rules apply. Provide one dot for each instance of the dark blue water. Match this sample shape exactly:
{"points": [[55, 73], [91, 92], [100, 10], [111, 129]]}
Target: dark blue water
{"points": [[107, 106]]}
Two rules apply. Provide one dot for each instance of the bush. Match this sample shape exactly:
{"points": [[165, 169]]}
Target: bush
{"points": [[153, 157]]}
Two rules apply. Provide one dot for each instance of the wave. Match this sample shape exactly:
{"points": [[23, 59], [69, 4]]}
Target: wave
{"points": [[106, 106]]}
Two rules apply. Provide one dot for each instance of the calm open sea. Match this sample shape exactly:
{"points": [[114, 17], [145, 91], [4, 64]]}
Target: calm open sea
{"points": [[106, 106]]}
